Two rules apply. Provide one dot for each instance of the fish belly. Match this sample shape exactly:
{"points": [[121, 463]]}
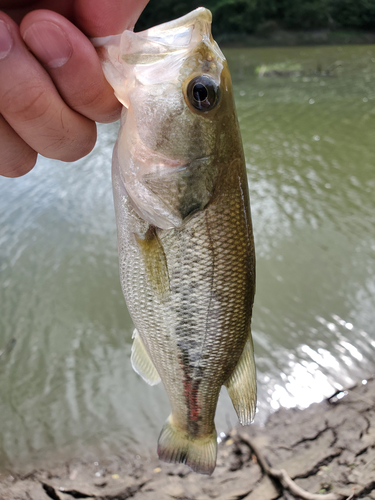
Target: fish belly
{"points": [[196, 329]]}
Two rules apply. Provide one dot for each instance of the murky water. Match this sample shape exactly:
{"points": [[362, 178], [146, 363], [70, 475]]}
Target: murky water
{"points": [[66, 384]]}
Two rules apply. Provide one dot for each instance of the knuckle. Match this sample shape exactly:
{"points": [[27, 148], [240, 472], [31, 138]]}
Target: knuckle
{"points": [[73, 144], [86, 143], [25, 104], [92, 97], [19, 165], [97, 104], [50, 127]]}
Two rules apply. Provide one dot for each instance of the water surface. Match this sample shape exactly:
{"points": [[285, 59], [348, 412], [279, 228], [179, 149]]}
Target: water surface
{"points": [[66, 385]]}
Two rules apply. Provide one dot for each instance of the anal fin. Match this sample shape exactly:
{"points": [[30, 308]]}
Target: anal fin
{"points": [[241, 385], [141, 361]]}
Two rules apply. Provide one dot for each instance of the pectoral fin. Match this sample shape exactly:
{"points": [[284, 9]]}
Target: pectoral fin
{"points": [[241, 385], [141, 361], [155, 260]]}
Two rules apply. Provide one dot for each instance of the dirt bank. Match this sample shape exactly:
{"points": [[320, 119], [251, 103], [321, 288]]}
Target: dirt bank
{"points": [[328, 448]]}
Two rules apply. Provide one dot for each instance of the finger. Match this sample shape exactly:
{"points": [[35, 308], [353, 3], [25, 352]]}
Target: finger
{"points": [[98, 18], [17, 9], [31, 105], [72, 63], [17, 158]]}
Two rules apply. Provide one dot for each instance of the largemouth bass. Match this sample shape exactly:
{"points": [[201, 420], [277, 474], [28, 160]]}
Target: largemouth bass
{"points": [[186, 248]]}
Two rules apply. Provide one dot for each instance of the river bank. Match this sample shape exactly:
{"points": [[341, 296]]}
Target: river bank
{"points": [[269, 37], [329, 448]]}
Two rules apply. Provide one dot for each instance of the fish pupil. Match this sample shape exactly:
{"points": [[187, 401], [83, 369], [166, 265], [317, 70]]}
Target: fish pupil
{"points": [[200, 92]]}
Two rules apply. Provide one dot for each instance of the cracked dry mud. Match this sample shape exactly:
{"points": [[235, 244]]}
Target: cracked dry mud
{"points": [[329, 447]]}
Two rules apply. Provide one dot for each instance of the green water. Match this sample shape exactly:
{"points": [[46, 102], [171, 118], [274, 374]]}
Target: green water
{"points": [[66, 385]]}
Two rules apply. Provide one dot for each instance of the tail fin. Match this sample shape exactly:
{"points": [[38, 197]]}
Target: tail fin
{"points": [[176, 446]]}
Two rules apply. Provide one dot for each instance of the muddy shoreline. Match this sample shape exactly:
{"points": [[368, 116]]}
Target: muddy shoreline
{"points": [[329, 448]]}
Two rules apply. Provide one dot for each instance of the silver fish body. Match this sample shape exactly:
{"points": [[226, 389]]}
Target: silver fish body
{"points": [[187, 261]]}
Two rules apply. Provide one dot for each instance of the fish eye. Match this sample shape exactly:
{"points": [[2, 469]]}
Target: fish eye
{"points": [[203, 93]]}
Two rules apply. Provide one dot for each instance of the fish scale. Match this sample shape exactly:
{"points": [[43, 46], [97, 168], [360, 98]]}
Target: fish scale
{"points": [[211, 268], [187, 262]]}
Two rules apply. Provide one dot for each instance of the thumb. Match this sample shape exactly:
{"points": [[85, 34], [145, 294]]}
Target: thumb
{"points": [[98, 18]]}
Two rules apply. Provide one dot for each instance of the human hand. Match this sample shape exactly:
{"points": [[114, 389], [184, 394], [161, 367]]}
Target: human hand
{"points": [[52, 88]]}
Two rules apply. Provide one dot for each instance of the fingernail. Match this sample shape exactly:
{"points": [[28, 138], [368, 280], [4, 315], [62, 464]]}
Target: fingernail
{"points": [[48, 43], [6, 40]]}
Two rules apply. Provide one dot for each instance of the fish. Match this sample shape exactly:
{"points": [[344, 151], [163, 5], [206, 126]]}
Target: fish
{"points": [[185, 239]]}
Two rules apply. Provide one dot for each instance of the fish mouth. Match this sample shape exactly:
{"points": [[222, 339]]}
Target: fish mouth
{"points": [[199, 20]]}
